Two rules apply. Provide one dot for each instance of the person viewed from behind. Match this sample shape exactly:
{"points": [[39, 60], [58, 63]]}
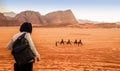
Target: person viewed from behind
{"points": [[26, 28]]}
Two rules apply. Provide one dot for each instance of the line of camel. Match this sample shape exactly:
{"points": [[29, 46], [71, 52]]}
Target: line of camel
{"points": [[69, 42]]}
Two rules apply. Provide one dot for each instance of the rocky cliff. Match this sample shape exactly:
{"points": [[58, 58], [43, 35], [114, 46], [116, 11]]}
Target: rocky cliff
{"points": [[5, 22], [2, 17], [60, 17], [53, 19], [30, 16], [9, 14]]}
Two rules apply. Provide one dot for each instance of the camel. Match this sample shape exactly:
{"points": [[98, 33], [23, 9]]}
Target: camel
{"points": [[75, 42], [62, 42], [68, 42], [80, 42], [56, 43]]}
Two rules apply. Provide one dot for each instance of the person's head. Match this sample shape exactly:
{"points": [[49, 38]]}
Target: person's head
{"points": [[26, 27]]}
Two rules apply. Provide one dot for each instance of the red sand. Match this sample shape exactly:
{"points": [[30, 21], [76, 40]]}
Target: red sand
{"points": [[100, 50]]}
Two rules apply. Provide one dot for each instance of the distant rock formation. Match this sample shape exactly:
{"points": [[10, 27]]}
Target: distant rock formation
{"points": [[81, 21], [60, 17], [56, 18], [9, 14], [30, 16], [2, 17], [53, 19], [5, 22]]}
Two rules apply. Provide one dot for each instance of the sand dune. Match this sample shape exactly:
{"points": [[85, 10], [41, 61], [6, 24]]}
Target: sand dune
{"points": [[100, 50]]}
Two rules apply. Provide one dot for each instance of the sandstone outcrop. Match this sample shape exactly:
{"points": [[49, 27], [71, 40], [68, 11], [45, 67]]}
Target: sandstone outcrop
{"points": [[30, 16], [60, 17]]}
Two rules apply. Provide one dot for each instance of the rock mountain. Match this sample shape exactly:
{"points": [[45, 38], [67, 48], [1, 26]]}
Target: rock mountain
{"points": [[9, 14], [30, 16], [2, 17], [58, 17], [5, 22], [54, 18]]}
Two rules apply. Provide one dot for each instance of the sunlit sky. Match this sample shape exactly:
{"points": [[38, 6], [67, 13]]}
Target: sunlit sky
{"points": [[95, 10]]}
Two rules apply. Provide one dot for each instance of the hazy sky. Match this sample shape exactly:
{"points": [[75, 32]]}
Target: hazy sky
{"points": [[96, 10]]}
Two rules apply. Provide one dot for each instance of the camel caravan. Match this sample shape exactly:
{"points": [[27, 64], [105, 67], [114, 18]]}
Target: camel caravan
{"points": [[68, 42]]}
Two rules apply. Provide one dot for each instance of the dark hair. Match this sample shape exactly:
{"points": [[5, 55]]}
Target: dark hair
{"points": [[26, 27]]}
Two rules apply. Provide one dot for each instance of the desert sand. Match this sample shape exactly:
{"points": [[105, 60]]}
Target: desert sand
{"points": [[100, 50]]}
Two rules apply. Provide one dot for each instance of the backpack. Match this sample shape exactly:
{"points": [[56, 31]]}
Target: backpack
{"points": [[21, 51]]}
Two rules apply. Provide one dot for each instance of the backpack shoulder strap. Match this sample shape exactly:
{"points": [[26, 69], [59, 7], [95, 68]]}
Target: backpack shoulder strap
{"points": [[21, 36]]}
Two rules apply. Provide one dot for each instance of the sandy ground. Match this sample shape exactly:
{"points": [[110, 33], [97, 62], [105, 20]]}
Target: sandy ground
{"points": [[100, 50]]}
